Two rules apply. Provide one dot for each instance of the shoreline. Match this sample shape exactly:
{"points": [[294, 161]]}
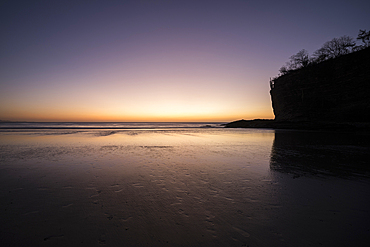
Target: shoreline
{"points": [[304, 125]]}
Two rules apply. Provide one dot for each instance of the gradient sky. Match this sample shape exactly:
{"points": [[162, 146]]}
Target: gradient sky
{"points": [[157, 60]]}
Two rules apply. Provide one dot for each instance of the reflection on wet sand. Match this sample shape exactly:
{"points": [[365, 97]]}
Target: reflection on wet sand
{"points": [[135, 188], [198, 187], [321, 153], [322, 187]]}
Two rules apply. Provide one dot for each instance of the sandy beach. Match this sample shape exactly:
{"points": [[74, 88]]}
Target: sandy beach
{"points": [[180, 187]]}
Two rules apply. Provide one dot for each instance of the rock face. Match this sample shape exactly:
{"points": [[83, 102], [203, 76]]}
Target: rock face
{"points": [[256, 123], [336, 90]]}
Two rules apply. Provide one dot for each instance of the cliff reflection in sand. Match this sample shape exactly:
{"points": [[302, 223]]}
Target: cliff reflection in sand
{"points": [[320, 153]]}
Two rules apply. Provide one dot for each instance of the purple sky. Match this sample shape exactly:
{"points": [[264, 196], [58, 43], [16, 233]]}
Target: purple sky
{"points": [[157, 60]]}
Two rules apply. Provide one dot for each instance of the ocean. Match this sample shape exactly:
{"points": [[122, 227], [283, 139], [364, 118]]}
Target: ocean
{"points": [[106, 125], [181, 184]]}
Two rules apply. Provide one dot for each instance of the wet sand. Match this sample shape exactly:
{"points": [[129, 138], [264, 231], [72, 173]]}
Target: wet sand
{"points": [[190, 187]]}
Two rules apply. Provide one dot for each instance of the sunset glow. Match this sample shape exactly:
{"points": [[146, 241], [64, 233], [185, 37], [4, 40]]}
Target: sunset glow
{"points": [[154, 60]]}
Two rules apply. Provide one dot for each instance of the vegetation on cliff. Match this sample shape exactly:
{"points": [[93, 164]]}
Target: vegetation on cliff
{"points": [[328, 91], [332, 49], [336, 90]]}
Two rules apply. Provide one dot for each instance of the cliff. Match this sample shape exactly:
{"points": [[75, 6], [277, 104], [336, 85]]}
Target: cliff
{"points": [[336, 90]]}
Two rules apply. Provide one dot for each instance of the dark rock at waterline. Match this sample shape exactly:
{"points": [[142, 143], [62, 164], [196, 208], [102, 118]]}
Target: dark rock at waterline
{"points": [[256, 123], [302, 125]]}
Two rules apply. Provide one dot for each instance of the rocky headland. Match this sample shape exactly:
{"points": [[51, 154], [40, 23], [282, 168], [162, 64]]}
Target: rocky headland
{"points": [[331, 95]]}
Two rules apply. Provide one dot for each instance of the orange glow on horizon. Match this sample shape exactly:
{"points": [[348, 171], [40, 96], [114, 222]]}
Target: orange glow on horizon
{"points": [[139, 61], [96, 118], [155, 103], [111, 116]]}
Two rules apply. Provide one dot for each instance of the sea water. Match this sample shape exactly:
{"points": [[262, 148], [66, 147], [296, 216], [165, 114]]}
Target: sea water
{"points": [[188, 184]]}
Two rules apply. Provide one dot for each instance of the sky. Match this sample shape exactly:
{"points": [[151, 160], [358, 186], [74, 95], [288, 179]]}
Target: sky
{"points": [[159, 60]]}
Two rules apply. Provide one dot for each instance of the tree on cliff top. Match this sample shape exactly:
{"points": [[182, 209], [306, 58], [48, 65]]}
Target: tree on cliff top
{"points": [[364, 37], [299, 60], [334, 48], [331, 49]]}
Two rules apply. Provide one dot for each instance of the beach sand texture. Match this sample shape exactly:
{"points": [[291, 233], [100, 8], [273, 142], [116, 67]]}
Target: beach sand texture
{"points": [[184, 187]]}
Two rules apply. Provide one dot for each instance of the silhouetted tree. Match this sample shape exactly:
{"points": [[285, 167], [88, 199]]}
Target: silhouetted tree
{"points": [[331, 49], [334, 48], [284, 70], [299, 60], [320, 55], [364, 37]]}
